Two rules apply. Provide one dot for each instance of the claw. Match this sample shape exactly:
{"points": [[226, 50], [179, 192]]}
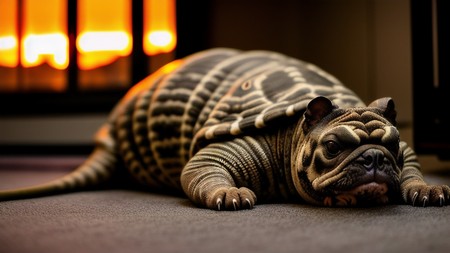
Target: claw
{"points": [[248, 202], [218, 203], [414, 198], [425, 199], [441, 200], [235, 204]]}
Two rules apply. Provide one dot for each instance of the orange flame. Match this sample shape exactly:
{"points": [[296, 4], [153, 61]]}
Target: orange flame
{"points": [[9, 56], [159, 26], [45, 38], [104, 32]]}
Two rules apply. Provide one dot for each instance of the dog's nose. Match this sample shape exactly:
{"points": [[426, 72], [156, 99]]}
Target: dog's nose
{"points": [[373, 159]]}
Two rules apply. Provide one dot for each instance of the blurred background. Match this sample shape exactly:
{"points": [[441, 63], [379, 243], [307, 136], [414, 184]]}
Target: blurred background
{"points": [[65, 63]]}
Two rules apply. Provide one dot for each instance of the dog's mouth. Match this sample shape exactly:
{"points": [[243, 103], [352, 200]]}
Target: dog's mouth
{"points": [[367, 180], [368, 194]]}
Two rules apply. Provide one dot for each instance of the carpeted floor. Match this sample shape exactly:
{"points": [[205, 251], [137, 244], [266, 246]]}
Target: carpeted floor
{"points": [[126, 221]]}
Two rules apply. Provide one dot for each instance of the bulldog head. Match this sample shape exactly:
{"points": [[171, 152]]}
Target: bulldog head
{"points": [[350, 156]]}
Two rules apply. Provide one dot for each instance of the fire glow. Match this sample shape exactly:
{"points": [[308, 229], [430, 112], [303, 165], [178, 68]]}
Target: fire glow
{"points": [[159, 26], [9, 56], [104, 41], [45, 34], [104, 32], [103, 37], [51, 48], [8, 51], [102, 48]]}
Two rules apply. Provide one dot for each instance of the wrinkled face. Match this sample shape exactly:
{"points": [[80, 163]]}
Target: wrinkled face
{"points": [[351, 157]]}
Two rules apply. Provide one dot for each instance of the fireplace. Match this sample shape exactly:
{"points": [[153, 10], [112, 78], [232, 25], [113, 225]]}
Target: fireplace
{"points": [[64, 56]]}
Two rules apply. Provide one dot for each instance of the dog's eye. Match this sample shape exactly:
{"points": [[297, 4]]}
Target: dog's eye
{"points": [[333, 148]]}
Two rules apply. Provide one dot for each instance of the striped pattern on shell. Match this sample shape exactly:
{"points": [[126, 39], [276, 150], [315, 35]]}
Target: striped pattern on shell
{"points": [[210, 95]]}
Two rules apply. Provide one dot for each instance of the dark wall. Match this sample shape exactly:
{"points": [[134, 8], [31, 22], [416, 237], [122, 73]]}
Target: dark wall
{"points": [[364, 43]]}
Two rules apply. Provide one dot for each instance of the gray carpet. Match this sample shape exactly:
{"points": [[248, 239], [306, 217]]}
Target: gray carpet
{"points": [[127, 221]]}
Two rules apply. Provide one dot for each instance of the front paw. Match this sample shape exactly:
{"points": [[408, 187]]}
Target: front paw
{"points": [[231, 198], [427, 195]]}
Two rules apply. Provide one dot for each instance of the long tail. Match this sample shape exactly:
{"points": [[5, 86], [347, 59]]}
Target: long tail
{"points": [[97, 169]]}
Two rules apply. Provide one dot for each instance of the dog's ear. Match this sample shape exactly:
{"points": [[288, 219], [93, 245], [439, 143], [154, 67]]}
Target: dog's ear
{"points": [[316, 110], [387, 107]]}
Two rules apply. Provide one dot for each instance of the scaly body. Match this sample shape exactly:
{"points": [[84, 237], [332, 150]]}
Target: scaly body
{"points": [[230, 127]]}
